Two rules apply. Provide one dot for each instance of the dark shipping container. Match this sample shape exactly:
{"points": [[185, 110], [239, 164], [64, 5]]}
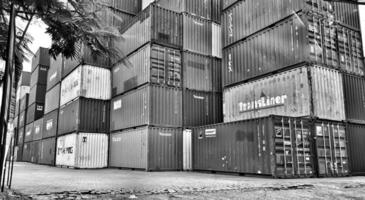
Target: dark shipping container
{"points": [[276, 146], [354, 94], [148, 105], [20, 136], [55, 72], [37, 94], [347, 13], [35, 112], [202, 108], [298, 39], [38, 129], [41, 57], [24, 79], [50, 123], [52, 99], [24, 103], [28, 134], [18, 153], [35, 151], [152, 63], [84, 115], [148, 148], [356, 138], [39, 76], [47, 151], [129, 6], [119, 19], [26, 152], [331, 149]]}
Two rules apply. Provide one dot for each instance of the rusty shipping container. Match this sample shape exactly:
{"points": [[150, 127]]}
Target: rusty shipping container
{"points": [[55, 72], [201, 36], [300, 38], [38, 129], [203, 73], [84, 115], [150, 64], [35, 151], [276, 146], [26, 157], [35, 112], [52, 99], [331, 149], [202, 108], [354, 94], [153, 24], [86, 81], [41, 57], [82, 150], [39, 76], [247, 17], [28, 134], [24, 103], [47, 151], [356, 138], [148, 105], [37, 94], [305, 91], [20, 136], [148, 148], [50, 123], [129, 6], [348, 14]]}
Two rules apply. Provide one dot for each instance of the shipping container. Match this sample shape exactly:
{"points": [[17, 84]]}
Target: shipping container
{"points": [[38, 129], [203, 73], [146, 3], [52, 99], [276, 146], [34, 112], [15, 122], [35, 151], [20, 136], [82, 150], [86, 81], [305, 91], [202, 108], [199, 35], [248, 17], [300, 38], [350, 50], [129, 6], [24, 103], [48, 148], [347, 13], [84, 115], [28, 134], [354, 94], [39, 76], [54, 72], [37, 94], [120, 19], [50, 123], [331, 149], [26, 157], [18, 153], [153, 24], [228, 3], [22, 119], [148, 105], [187, 150], [148, 148], [41, 57], [21, 92], [24, 79], [356, 138]]}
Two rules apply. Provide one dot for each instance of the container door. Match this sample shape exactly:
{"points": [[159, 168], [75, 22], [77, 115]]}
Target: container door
{"points": [[187, 150], [303, 151]]}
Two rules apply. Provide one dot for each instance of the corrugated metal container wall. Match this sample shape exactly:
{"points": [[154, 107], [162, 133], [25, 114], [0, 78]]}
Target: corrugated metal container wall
{"points": [[21, 136], [48, 148], [331, 147], [356, 138], [35, 112], [153, 24], [217, 40], [35, 151], [197, 34], [22, 117], [37, 94], [120, 19], [26, 152], [84, 115], [347, 13], [295, 40], [290, 93], [41, 58], [149, 105], [39, 75], [187, 150], [24, 79], [227, 3], [202, 108], [24, 103], [54, 72], [38, 129], [18, 156], [50, 123], [250, 16], [52, 99], [149, 148], [130, 6], [21, 92], [201, 72], [354, 93], [82, 150], [152, 63], [28, 134], [265, 146], [86, 81], [350, 50]]}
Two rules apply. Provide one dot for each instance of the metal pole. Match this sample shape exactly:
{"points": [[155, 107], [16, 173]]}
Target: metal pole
{"points": [[6, 97], [10, 158], [12, 166]]}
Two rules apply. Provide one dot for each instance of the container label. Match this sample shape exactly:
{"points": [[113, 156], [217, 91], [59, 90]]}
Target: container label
{"points": [[198, 97], [210, 132], [39, 108], [230, 69], [117, 104], [262, 103], [116, 70], [230, 25], [116, 139], [37, 129], [49, 124], [165, 134], [53, 76]]}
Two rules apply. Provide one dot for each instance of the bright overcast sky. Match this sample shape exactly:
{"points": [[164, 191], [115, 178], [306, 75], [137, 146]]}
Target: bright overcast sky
{"points": [[41, 39]]}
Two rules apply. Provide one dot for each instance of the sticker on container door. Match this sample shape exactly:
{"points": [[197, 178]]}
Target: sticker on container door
{"points": [[49, 124], [165, 134], [117, 104], [210, 132]]}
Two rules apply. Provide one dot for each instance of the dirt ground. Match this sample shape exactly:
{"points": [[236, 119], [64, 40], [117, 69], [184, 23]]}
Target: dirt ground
{"points": [[44, 182]]}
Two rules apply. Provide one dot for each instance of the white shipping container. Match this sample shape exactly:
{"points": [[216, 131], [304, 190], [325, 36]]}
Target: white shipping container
{"points": [[82, 150], [86, 81], [305, 91], [21, 92], [216, 40], [146, 3]]}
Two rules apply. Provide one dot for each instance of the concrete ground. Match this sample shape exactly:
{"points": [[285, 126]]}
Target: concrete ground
{"points": [[44, 182]]}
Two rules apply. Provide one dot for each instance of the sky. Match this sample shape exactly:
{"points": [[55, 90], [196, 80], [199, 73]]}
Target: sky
{"points": [[41, 39]]}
